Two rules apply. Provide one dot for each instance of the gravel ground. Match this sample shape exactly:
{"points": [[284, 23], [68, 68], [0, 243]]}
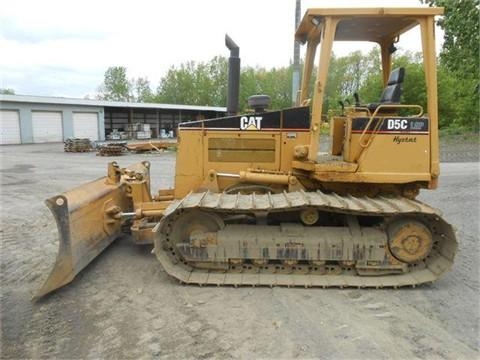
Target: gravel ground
{"points": [[124, 306], [460, 148]]}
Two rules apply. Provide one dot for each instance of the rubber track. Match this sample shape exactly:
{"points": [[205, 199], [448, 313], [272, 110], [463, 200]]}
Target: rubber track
{"points": [[438, 262]]}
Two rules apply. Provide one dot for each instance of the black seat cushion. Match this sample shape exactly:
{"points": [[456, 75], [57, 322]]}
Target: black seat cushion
{"points": [[396, 76], [392, 93]]}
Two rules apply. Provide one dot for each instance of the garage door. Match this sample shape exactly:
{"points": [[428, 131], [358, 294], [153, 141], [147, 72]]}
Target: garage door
{"points": [[9, 127], [85, 125], [47, 126]]}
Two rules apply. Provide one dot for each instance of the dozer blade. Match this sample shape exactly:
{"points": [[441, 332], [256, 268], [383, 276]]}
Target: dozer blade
{"points": [[88, 220]]}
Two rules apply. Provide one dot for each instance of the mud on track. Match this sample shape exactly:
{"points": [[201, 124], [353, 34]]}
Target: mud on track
{"points": [[124, 306]]}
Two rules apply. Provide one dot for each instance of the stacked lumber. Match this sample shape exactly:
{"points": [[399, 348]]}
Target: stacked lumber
{"points": [[77, 145], [111, 149]]}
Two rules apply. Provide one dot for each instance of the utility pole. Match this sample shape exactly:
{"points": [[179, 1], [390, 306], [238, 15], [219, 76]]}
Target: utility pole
{"points": [[296, 56]]}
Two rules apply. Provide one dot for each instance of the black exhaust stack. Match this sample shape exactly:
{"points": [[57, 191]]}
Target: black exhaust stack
{"points": [[233, 76]]}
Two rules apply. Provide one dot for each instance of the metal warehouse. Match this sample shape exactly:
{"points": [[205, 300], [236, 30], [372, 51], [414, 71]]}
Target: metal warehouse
{"points": [[39, 119]]}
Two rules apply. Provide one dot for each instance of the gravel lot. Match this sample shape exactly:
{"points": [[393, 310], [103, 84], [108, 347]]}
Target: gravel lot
{"points": [[124, 306]]}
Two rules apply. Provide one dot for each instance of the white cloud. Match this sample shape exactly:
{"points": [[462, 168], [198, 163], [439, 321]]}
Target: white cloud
{"points": [[84, 38]]}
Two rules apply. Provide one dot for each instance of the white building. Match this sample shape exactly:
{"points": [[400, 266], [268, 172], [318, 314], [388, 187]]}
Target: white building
{"points": [[38, 119]]}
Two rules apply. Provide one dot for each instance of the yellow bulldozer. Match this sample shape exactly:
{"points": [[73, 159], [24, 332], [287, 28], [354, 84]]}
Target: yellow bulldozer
{"points": [[256, 204]]}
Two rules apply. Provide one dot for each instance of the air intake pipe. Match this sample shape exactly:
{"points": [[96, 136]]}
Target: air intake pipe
{"points": [[233, 76]]}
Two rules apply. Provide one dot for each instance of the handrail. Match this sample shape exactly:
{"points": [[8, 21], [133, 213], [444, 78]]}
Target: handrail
{"points": [[379, 123], [354, 109]]}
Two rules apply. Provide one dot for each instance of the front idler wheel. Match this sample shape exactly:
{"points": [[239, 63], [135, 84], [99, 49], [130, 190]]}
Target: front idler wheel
{"points": [[409, 240]]}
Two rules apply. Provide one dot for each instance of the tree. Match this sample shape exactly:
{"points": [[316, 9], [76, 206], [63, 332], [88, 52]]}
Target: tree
{"points": [[195, 83], [461, 45], [115, 87], [176, 87], [355, 72], [276, 83], [460, 57], [206, 84], [7, 91], [141, 90]]}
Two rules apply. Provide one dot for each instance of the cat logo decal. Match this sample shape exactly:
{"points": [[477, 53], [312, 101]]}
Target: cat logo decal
{"points": [[251, 122]]}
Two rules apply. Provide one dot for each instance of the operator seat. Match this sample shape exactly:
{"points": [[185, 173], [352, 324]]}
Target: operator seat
{"points": [[392, 93]]}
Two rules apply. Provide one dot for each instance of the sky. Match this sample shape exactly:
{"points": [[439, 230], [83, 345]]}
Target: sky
{"points": [[63, 48]]}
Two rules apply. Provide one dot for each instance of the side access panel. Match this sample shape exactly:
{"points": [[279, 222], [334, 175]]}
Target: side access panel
{"points": [[399, 145]]}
